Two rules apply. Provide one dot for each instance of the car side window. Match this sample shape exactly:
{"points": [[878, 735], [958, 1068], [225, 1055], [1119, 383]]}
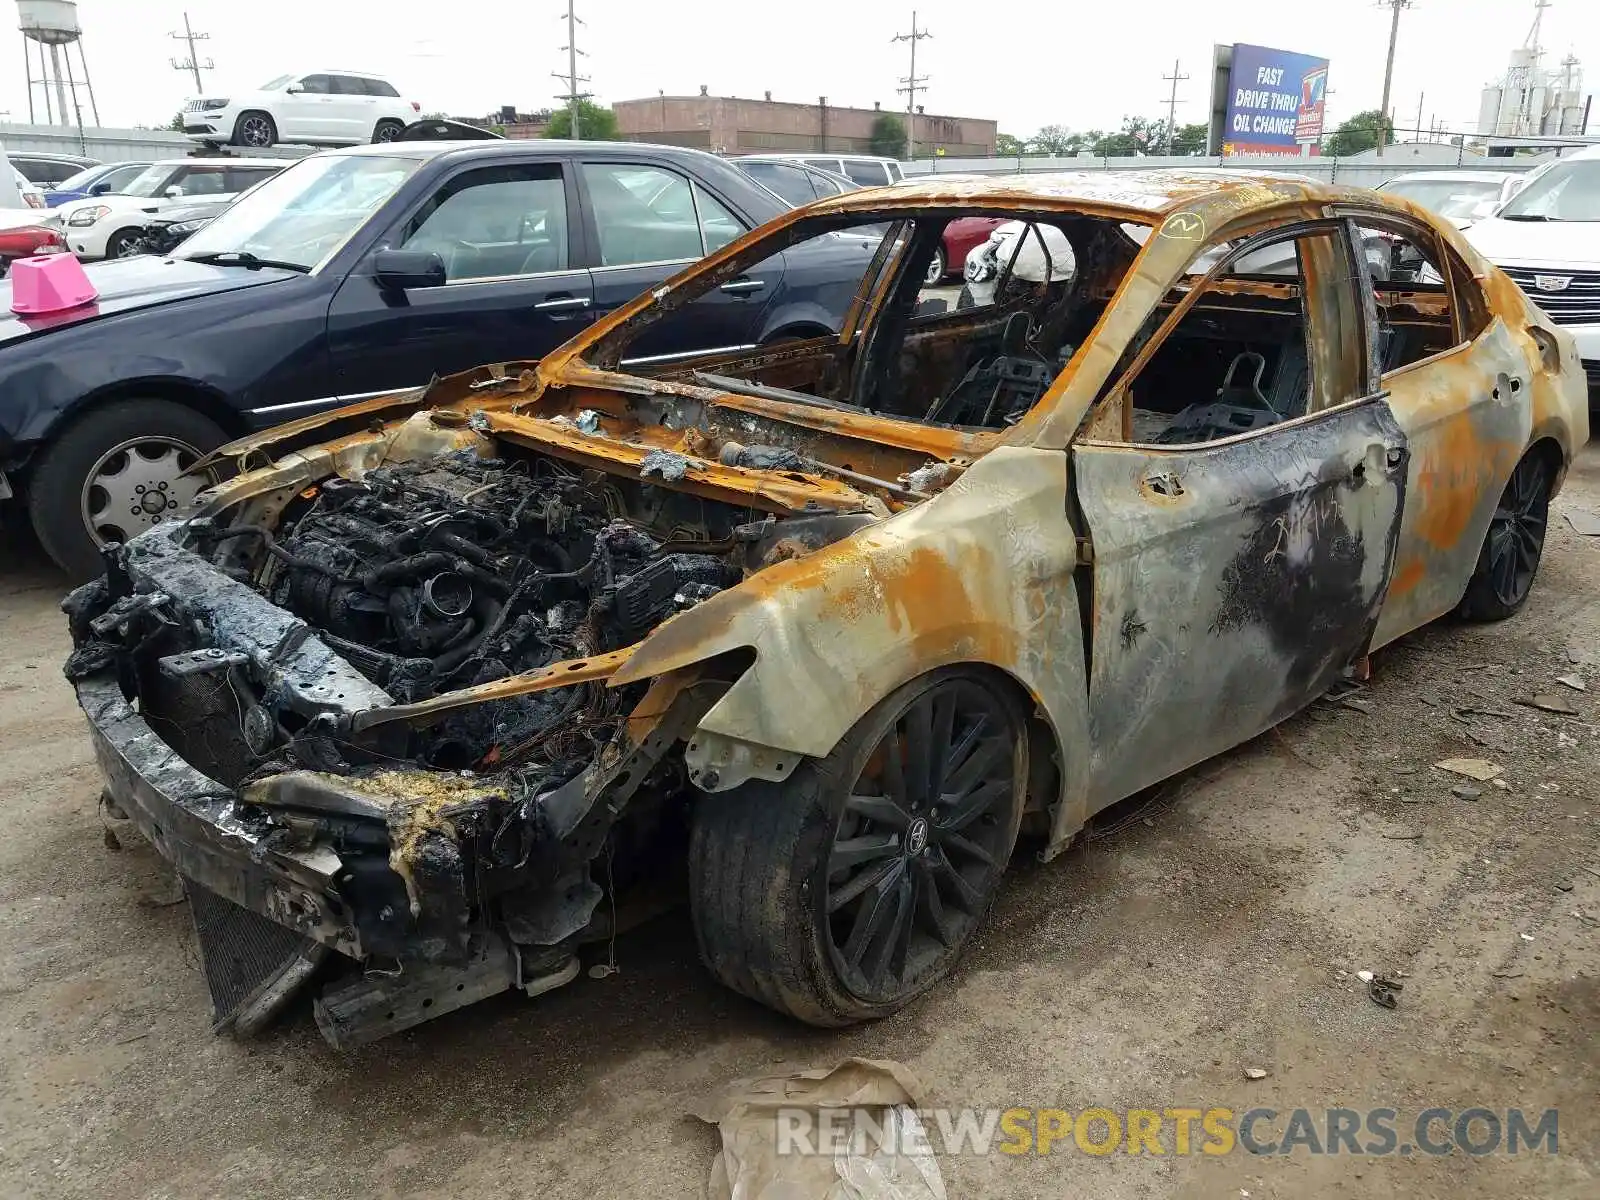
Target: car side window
{"points": [[1277, 334], [379, 87], [642, 214], [865, 172], [824, 164], [317, 85], [789, 181], [120, 178], [495, 222], [201, 181], [1416, 311], [348, 85], [241, 178], [718, 226]]}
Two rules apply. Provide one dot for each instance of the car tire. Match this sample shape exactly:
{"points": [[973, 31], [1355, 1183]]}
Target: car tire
{"points": [[255, 129], [936, 269], [387, 131], [137, 446], [773, 912], [124, 243], [1512, 547]]}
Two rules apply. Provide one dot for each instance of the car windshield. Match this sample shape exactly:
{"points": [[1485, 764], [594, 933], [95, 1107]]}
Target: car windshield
{"points": [[149, 182], [1568, 191], [300, 217], [1447, 197], [274, 84]]}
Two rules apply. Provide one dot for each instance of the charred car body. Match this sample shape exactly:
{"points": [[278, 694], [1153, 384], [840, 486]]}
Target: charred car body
{"points": [[416, 696]]}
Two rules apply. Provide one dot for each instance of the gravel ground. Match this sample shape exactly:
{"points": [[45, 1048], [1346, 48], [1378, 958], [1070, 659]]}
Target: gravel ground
{"points": [[1213, 927]]}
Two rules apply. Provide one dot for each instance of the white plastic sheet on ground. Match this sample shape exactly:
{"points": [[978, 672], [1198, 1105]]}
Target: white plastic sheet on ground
{"points": [[900, 1166]]}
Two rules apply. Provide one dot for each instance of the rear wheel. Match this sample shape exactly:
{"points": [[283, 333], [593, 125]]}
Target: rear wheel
{"points": [[1512, 548], [115, 472], [255, 129], [936, 269], [844, 892], [387, 131]]}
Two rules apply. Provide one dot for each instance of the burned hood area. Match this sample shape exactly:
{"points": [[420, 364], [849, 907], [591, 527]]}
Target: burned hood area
{"points": [[392, 695]]}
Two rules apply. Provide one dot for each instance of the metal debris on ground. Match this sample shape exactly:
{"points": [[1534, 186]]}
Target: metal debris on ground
{"points": [[1466, 792], [1575, 682], [1365, 976], [1549, 704], [1401, 833], [883, 1153], [1361, 706], [1586, 523], [1383, 991], [1480, 769], [1256, 1073]]}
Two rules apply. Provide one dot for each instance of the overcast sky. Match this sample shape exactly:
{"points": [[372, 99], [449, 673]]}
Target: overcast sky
{"points": [[1084, 64]]}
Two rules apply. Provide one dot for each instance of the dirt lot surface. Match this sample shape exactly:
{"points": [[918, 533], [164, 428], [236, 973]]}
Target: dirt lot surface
{"points": [[1212, 929]]}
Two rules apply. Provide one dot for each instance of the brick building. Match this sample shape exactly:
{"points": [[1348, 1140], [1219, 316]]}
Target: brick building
{"points": [[730, 125]]}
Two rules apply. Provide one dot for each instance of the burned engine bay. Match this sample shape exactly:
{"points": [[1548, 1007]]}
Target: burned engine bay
{"points": [[292, 661], [453, 573]]}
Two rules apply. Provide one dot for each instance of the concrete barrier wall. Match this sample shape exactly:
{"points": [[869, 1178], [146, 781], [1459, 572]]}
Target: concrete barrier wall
{"points": [[117, 145], [1360, 171]]}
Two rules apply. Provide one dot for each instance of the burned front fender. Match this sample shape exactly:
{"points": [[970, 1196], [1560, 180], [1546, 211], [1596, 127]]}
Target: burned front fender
{"points": [[983, 574]]}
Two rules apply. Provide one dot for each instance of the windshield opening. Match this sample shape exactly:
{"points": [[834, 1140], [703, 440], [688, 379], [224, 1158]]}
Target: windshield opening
{"points": [[273, 85], [1447, 197], [1568, 191], [305, 214]]}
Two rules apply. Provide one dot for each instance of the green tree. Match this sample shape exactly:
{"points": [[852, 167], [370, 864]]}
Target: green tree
{"points": [[1191, 139], [1007, 146], [888, 136], [176, 124], [1360, 133], [596, 123], [1056, 141]]}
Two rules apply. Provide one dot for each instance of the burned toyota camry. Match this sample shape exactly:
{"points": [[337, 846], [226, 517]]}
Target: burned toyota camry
{"points": [[423, 697]]}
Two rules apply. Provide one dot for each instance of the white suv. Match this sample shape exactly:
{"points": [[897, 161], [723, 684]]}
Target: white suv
{"points": [[1547, 238], [320, 108]]}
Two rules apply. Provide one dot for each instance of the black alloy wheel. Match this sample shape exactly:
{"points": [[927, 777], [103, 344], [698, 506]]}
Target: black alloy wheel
{"points": [[923, 839], [1514, 544]]}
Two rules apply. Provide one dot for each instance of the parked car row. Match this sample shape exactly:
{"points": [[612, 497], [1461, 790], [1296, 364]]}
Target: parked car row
{"points": [[360, 271]]}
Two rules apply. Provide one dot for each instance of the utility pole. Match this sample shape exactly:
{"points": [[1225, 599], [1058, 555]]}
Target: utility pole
{"points": [[1421, 96], [913, 83], [192, 63], [1388, 70], [1172, 102], [572, 95]]}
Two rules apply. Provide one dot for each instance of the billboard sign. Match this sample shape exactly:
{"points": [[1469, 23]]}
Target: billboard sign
{"points": [[1276, 100]]}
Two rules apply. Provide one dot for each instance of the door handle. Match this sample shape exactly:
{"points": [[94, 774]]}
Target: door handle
{"points": [[562, 304], [740, 286]]}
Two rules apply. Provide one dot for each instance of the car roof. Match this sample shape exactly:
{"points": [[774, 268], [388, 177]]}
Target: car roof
{"points": [[1141, 195], [534, 147], [822, 154]]}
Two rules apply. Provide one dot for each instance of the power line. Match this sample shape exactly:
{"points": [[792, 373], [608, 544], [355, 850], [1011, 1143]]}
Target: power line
{"points": [[192, 63], [912, 83], [1388, 70], [572, 95], [1172, 102]]}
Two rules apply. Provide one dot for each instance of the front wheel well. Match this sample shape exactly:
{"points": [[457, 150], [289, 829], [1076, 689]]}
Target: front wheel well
{"points": [[204, 400], [1554, 456]]}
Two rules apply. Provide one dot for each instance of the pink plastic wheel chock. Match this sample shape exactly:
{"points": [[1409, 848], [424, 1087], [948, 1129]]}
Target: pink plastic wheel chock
{"points": [[49, 283]]}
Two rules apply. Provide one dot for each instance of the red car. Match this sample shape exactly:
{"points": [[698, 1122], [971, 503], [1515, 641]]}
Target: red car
{"points": [[960, 236], [24, 241]]}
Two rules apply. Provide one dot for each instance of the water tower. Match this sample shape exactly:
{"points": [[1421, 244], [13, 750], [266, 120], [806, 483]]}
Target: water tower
{"points": [[52, 26]]}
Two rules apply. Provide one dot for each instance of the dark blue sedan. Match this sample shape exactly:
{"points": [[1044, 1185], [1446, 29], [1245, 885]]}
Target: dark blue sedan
{"points": [[361, 271]]}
